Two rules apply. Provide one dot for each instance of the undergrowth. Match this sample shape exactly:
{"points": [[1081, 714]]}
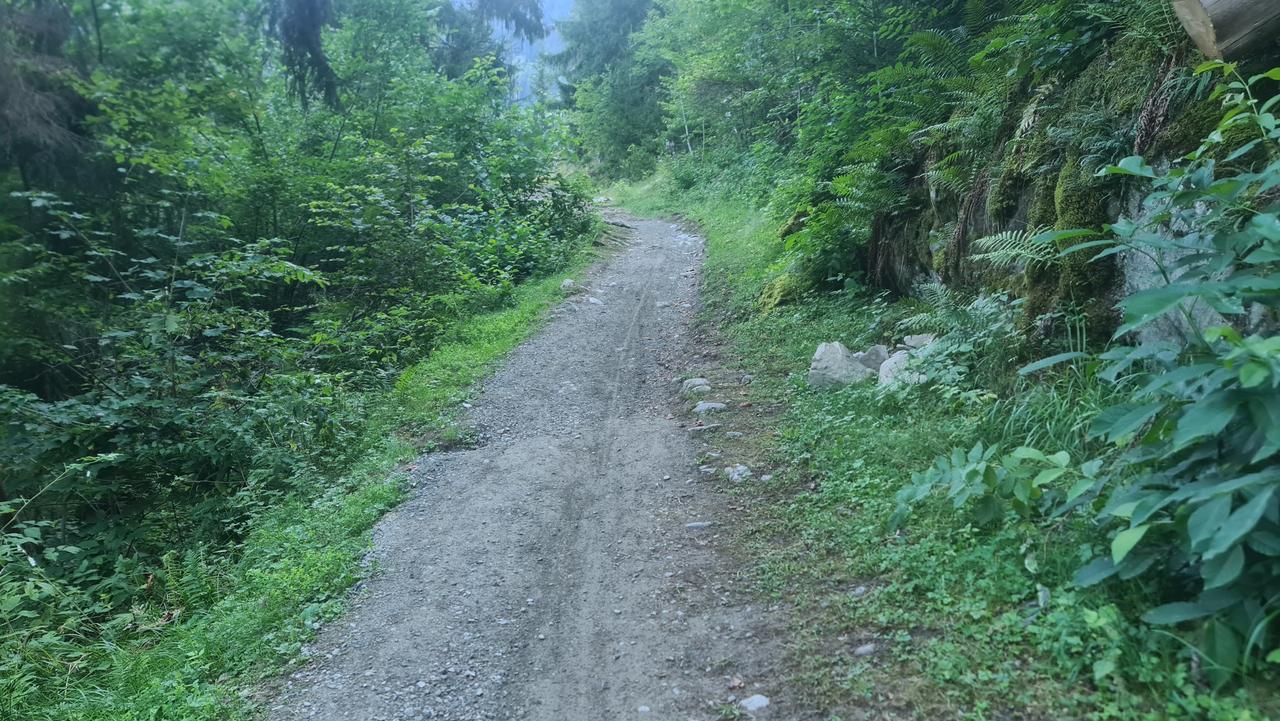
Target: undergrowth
{"points": [[969, 620], [229, 622]]}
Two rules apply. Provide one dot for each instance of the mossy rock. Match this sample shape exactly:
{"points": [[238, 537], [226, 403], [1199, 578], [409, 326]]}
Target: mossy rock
{"points": [[1002, 198], [1079, 201], [1082, 283], [939, 260], [1043, 212], [1118, 79], [1187, 131], [780, 291]]}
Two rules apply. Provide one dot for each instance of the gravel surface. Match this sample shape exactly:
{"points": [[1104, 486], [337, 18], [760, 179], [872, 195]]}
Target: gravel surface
{"points": [[573, 566]]}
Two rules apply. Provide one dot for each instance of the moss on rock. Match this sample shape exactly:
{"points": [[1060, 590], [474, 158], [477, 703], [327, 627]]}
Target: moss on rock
{"points": [[781, 290], [1083, 283], [1002, 198], [1044, 211]]}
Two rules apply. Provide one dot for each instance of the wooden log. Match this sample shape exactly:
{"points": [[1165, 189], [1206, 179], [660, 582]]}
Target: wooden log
{"points": [[1229, 28]]}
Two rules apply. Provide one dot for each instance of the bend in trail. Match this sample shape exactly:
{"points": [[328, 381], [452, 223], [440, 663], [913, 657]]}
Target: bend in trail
{"points": [[549, 574]]}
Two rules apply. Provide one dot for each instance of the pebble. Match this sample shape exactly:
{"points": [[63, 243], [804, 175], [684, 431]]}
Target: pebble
{"points": [[737, 473], [693, 384], [860, 591], [754, 703], [865, 649], [708, 407], [698, 525], [595, 301]]}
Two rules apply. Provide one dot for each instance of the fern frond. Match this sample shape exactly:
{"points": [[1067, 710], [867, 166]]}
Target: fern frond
{"points": [[1027, 247], [1034, 110]]}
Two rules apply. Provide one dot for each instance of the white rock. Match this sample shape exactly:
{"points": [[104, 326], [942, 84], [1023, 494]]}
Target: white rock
{"points": [[595, 301], [894, 371], [919, 341], [708, 407], [873, 357], [737, 473], [754, 703], [568, 286], [864, 650], [704, 429], [833, 365]]}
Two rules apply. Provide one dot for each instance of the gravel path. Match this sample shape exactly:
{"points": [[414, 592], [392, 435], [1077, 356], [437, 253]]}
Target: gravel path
{"points": [[549, 574]]}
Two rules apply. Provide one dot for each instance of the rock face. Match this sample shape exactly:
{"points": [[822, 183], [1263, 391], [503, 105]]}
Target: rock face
{"points": [[833, 365], [894, 371]]}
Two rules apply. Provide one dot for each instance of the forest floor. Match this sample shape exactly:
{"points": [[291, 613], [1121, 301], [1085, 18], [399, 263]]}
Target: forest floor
{"points": [[578, 562]]}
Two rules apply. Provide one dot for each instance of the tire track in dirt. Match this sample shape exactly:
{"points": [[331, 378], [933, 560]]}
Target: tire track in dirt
{"points": [[548, 574]]}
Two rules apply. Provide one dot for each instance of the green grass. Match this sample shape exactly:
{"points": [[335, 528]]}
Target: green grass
{"points": [[249, 617], [958, 611]]}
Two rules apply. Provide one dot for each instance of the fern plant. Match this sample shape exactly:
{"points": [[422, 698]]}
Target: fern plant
{"points": [[1025, 248]]}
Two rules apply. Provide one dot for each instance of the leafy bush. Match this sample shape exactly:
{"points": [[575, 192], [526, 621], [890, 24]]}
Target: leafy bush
{"points": [[208, 290], [1196, 496], [1191, 496]]}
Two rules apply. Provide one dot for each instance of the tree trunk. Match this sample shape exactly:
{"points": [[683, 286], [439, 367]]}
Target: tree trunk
{"points": [[1229, 28]]}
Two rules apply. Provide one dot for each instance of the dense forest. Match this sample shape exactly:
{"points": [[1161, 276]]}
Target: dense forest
{"points": [[1080, 206], [253, 251], [227, 229]]}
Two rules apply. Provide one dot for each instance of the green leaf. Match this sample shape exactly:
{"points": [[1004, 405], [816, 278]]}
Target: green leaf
{"points": [[1118, 422], [1125, 540], [1173, 613], [1211, 65], [1081, 487], [1132, 165], [1241, 522], [1048, 475], [1274, 656], [1207, 519], [1028, 454], [1097, 571], [1266, 224], [1253, 374], [1103, 668], [1147, 305], [1224, 569], [1048, 362], [1206, 417], [1223, 650]]}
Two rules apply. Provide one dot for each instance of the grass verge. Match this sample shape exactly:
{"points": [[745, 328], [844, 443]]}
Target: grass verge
{"points": [[245, 618], [946, 618]]}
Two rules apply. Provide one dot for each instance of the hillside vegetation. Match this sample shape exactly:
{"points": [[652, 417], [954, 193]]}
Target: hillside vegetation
{"points": [[1075, 513], [250, 253]]}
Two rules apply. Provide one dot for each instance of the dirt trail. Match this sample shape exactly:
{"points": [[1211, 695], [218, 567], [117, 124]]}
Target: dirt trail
{"points": [[549, 573]]}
